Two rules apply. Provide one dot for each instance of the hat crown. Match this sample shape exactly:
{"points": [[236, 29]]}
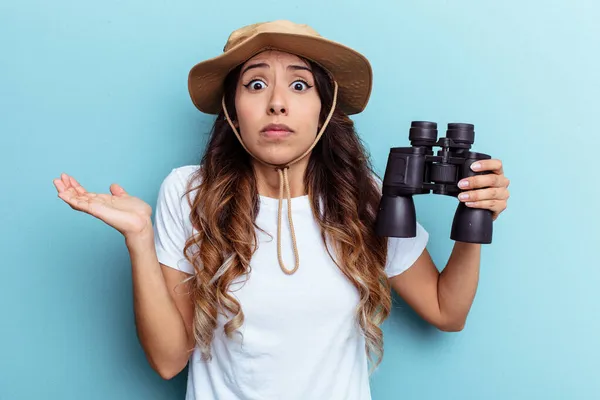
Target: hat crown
{"points": [[243, 34]]}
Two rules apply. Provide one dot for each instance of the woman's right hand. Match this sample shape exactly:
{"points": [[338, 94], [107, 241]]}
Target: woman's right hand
{"points": [[127, 214]]}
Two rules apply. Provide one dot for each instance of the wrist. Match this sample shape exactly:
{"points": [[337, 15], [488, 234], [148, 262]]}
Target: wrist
{"points": [[140, 238]]}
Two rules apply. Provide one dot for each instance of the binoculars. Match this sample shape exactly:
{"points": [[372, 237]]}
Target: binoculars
{"points": [[416, 170]]}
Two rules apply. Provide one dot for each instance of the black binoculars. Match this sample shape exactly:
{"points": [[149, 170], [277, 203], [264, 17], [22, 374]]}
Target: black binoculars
{"points": [[416, 170]]}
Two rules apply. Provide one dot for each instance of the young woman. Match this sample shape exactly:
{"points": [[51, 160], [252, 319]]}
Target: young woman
{"points": [[262, 268]]}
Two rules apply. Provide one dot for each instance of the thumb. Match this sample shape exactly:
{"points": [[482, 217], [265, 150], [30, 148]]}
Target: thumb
{"points": [[117, 190]]}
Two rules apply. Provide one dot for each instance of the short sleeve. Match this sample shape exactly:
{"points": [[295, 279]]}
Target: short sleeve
{"points": [[403, 252], [170, 227]]}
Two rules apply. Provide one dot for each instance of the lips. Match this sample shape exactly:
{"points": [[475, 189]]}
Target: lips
{"points": [[276, 130], [277, 127]]}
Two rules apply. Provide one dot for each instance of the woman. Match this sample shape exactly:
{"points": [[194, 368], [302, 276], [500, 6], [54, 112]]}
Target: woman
{"points": [[271, 298]]}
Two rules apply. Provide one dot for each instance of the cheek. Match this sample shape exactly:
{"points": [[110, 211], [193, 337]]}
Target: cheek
{"points": [[248, 115], [243, 108], [310, 116]]}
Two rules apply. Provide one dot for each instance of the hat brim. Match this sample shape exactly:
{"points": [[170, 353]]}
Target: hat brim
{"points": [[351, 70]]}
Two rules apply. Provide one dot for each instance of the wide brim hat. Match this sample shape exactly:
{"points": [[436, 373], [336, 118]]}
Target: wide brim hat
{"points": [[350, 69]]}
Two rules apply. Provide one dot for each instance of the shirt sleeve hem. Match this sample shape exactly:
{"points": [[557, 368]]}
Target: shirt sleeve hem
{"points": [[419, 245]]}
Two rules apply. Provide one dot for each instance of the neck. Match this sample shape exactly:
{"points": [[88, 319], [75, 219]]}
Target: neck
{"points": [[267, 179]]}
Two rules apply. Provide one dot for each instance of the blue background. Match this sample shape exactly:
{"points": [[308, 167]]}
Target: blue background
{"points": [[99, 90]]}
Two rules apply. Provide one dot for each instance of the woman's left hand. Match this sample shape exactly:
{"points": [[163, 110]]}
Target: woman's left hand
{"points": [[488, 191]]}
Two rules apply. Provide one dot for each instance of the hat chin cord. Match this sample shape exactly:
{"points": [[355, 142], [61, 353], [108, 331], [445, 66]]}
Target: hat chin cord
{"points": [[284, 183]]}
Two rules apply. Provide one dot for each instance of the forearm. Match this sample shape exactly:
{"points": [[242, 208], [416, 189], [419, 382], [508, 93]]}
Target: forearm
{"points": [[457, 284], [160, 327]]}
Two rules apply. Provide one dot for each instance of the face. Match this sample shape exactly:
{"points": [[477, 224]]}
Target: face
{"points": [[277, 106]]}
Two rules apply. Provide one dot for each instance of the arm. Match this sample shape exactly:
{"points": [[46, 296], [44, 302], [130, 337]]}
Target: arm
{"points": [[442, 299], [163, 313]]}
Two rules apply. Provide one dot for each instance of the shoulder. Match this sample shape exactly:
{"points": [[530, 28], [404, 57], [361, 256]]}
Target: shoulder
{"points": [[402, 252], [172, 225], [173, 188], [179, 176], [174, 184]]}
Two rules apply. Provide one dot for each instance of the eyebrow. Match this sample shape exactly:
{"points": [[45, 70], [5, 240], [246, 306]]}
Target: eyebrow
{"points": [[292, 67]]}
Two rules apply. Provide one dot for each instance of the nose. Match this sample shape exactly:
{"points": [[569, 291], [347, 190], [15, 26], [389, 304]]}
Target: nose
{"points": [[277, 104]]}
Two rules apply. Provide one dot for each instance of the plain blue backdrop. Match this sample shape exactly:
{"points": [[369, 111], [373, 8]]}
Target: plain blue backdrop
{"points": [[99, 90]]}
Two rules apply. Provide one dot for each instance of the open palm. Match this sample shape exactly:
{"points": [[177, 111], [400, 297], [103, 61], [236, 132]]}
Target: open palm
{"points": [[127, 214]]}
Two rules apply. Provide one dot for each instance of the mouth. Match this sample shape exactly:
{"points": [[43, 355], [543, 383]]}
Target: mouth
{"points": [[276, 131]]}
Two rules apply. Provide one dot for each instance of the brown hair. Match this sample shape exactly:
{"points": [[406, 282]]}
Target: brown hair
{"points": [[227, 203]]}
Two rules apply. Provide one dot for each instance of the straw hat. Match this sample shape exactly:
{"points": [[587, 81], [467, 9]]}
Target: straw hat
{"points": [[350, 69]]}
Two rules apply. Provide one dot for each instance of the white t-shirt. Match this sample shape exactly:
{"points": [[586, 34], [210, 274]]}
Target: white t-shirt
{"points": [[301, 340]]}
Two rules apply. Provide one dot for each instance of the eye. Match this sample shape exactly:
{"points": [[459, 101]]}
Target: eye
{"points": [[300, 85], [255, 84]]}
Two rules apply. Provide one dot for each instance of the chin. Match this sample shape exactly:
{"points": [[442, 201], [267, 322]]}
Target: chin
{"points": [[276, 157]]}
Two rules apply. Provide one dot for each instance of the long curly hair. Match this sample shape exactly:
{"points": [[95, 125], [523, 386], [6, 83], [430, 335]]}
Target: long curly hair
{"points": [[226, 204]]}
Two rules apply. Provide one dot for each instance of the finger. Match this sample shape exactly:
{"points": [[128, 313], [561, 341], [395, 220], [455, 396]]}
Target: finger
{"points": [[482, 181], [60, 186], [484, 194], [72, 200], [78, 188], [488, 165], [65, 196], [88, 202], [68, 194], [117, 190], [65, 179], [479, 181], [496, 206]]}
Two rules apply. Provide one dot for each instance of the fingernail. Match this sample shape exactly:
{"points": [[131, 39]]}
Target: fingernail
{"points": [[463, 184], [469, 203], [463, 196], [475, 166]]}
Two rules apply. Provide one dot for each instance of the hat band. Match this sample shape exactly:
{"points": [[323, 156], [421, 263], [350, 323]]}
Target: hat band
{"points": [[284, 181]]}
